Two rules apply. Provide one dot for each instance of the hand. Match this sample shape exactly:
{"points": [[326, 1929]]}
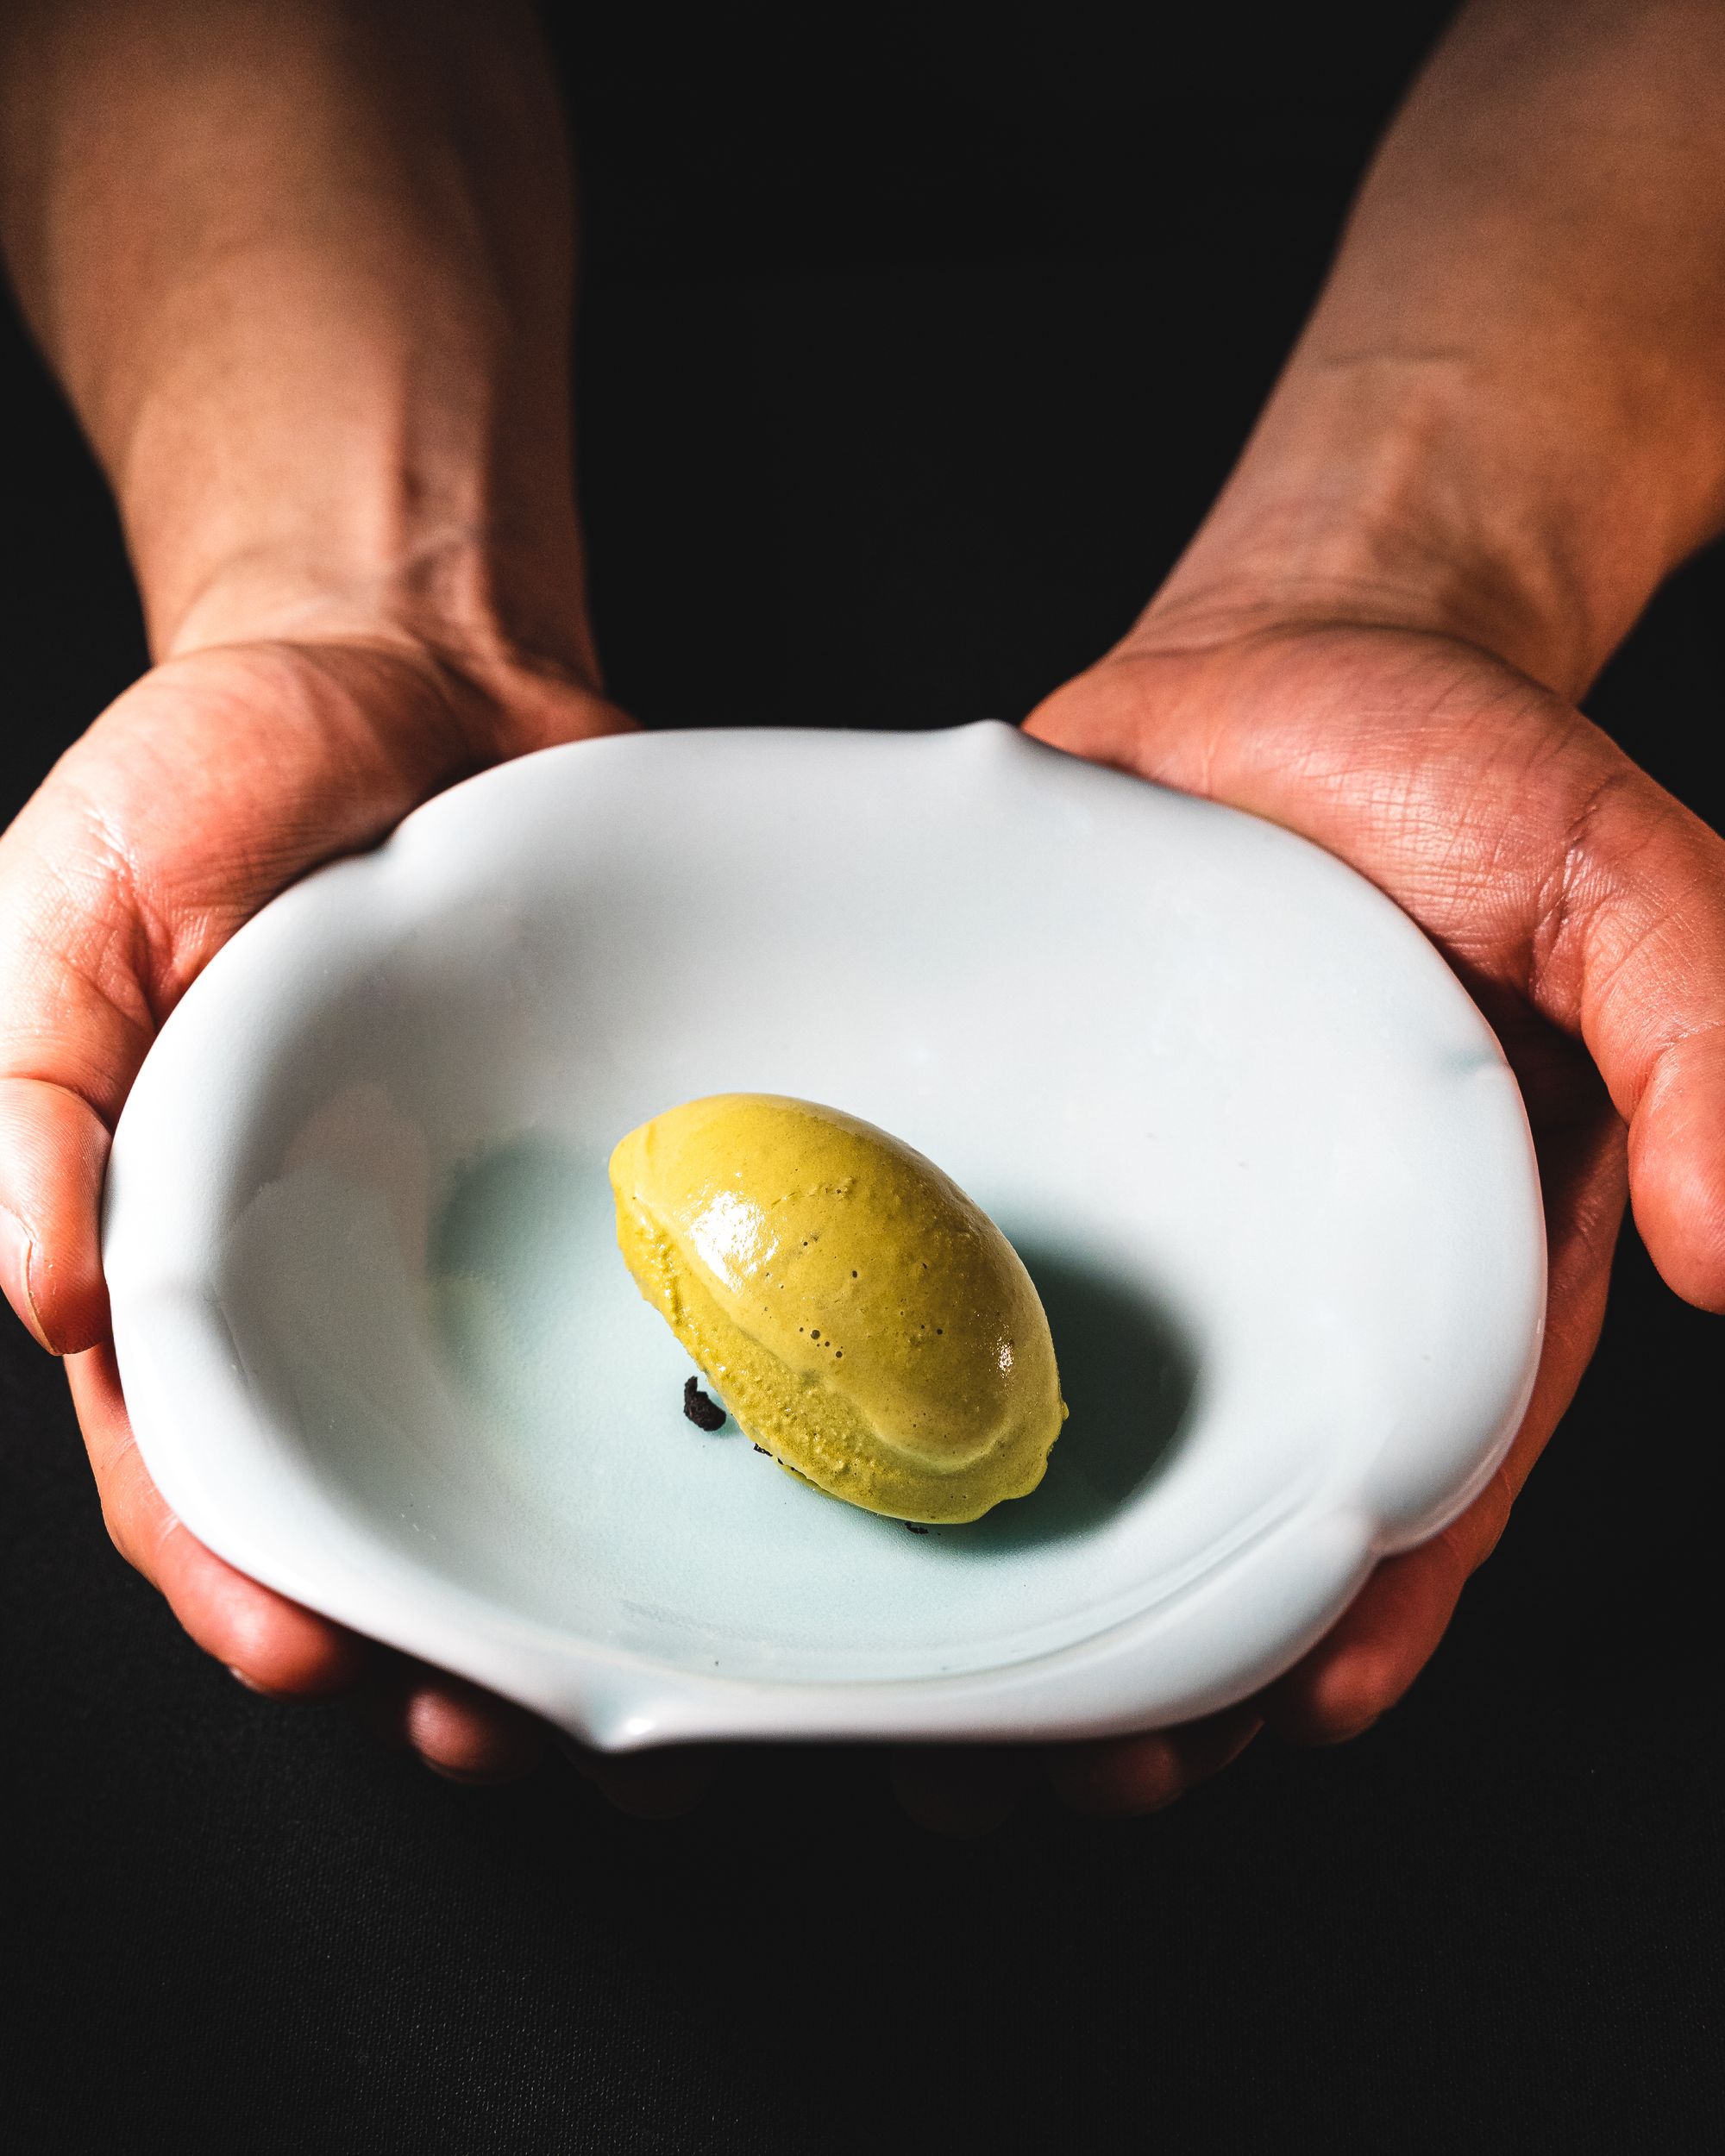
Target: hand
{"points": [[1586, 909], [209, 786]]}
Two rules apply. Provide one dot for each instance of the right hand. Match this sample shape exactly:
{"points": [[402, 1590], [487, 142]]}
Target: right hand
{"points": [[207, 787]]}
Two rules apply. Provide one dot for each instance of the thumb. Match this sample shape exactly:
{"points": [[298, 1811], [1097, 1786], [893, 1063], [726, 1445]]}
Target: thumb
{"points": [[53, 1153]]}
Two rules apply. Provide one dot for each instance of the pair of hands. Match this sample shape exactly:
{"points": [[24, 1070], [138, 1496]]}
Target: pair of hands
{"points": [[1583, 906]]}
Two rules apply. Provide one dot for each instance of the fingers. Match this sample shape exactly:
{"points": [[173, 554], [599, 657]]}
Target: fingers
{"points": [[1123, 1776], [458, 1731], [268, 1641], [1389, 1634], [468, 1735]]}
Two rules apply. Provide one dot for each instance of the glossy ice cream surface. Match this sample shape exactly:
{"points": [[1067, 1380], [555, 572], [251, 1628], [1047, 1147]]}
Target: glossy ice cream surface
{"points": [[861, 1317]]}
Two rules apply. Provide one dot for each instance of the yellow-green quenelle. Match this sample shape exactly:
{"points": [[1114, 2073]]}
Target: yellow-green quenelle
{"points": [[860, 1318]]}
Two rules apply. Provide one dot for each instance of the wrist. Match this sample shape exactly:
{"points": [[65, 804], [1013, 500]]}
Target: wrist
{"points": [[362, 540], [464, 595], [1407, 492], [318, 461]]}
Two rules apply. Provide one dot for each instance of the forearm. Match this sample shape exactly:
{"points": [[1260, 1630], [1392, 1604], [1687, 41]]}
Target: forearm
{"points": [[1506, 418], [303, 269]]}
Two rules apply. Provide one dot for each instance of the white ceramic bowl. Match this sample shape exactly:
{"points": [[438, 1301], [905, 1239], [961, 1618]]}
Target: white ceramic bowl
{"points": [[1259, 1150]]}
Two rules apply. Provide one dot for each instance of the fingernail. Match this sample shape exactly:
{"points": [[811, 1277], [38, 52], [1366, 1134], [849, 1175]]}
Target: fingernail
{"points": [[14, 1273], [250, 1683]]}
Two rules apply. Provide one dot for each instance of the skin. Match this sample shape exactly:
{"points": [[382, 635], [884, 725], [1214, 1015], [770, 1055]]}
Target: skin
{"points": [[1503, 426]]}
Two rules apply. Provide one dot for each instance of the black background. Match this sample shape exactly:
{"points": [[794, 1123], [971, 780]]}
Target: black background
{"points": [[908, 362]]}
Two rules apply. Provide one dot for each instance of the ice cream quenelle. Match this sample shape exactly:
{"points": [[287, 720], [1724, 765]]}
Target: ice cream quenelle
{"points": [[862, 1318]]}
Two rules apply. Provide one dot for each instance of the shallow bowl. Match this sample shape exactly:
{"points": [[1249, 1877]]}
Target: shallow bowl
{"points": [[1260, 1152]]}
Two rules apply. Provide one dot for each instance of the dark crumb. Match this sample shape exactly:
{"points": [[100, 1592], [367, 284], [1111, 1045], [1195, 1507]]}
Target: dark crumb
{"points": [[762, 1448], [915, 1529], [705, 1413]]}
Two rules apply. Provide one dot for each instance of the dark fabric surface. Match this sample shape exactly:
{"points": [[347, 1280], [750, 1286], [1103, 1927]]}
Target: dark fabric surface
{"points": [[893, 417]]}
